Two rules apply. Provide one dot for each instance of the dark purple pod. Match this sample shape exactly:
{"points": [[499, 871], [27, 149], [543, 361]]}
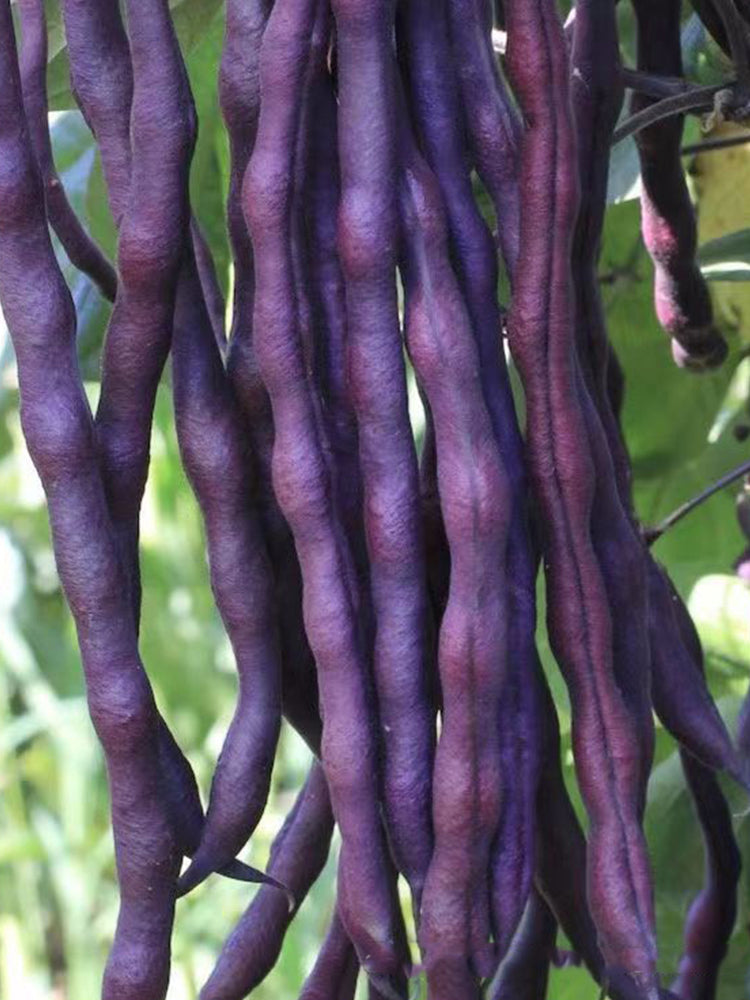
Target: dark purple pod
{"points": [[680, 693], [103, 87], [682, 298], [368, 244], [334, 975], [712, 914], [541, 334], [298, 854], [474, 497], [490, 119], [59, 431], [434, 96], [305, 494], [218, 464], [79, 246], [524, 973]]}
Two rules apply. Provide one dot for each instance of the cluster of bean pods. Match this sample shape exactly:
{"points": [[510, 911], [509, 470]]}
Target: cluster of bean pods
{"points": [[378, 595]]}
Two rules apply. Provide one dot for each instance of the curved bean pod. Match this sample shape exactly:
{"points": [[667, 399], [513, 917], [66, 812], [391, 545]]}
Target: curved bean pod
{"points": [[298, 854], [472, 645], [683, 301], [149, 255], [524, 973], [597, 94], [239, 98], [103, 86], [217, 463], [490, 120], [540, 327], [212, 293], [425, 52], [368, 235], [305, 495], [78, 245], [334, 975], [712, 914], [680, 694], [101, 77], [59, 431]]}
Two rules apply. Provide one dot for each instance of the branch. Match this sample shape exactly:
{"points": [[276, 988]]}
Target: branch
{"points": [[709, 145], [652, 535], [695, 99], [654, 84]]}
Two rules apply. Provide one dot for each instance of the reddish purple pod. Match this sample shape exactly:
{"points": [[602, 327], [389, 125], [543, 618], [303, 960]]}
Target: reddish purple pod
{"points": [[334, 975], [524, 973], [428, 61], [298, 854], [78, 245], [682, 298], [472, 644], [60, 435], [218, 464], [368, 244], [541, 333], [303, 487]]}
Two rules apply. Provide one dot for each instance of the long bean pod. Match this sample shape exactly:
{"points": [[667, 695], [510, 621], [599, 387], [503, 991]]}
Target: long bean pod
{"points": [[60, 435], [540, 329], [305, 495], [472, 646], [82, 250], [683, 302], [298, 854], [435, 99], [217, 461], [368, 244]]}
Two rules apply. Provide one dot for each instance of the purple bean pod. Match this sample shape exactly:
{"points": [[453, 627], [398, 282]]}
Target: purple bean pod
{"points": [[209, 279], [682, 298], [239, 96], [78, 245], [712, 914], [334, 975], [472, 645], [298, 854], [305, 494], [104, 90], [524, 973], [101, 76], [59, 431], [322, 195], [428, 60], [368, 247], [541, 332], [217, 462], [490, 120], [597, 95], [681, 696]]}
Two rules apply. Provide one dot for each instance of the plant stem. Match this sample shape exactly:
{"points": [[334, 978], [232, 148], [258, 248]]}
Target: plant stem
{"points": [[652, 535], [709, 145], [695, 99], [655, 85]]}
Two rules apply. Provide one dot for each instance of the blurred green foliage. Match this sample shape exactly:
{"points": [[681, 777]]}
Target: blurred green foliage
{"points": [[57, 887]]}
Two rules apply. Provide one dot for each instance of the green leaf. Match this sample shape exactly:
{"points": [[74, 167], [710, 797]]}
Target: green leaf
{"points": [[726, 258]]}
